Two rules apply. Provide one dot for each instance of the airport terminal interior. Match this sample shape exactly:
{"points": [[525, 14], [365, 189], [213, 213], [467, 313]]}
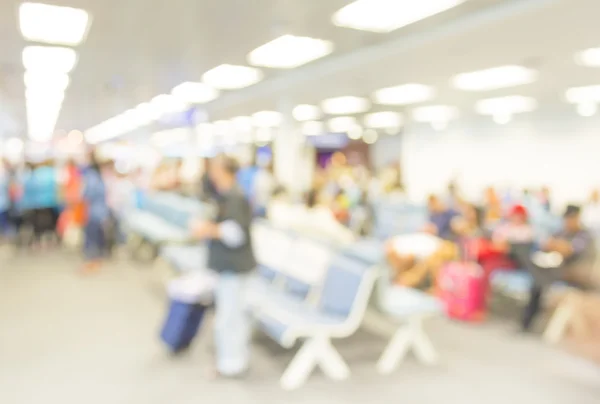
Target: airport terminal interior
{"points": [[299, 201]]}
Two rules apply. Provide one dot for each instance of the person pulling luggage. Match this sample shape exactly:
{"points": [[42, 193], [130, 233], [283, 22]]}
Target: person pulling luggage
{"points": [[230, 255]]}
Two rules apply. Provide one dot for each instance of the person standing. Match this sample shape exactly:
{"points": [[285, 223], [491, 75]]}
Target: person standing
{"points": [[230, 255], [94, 196]]}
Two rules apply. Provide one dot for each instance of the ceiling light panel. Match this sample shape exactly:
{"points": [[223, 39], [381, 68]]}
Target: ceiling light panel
{"points": [[242, 123], [267, 119], [502, 106], [388, 15], [49, 58], [495, 78], [405, 94], [53, 24], [345, 105], [306, 112], [587, 94], [313, 128], [589, 57], [289, 51], [46, 82], [435, 113], [195, 93], [383, 120], [342, 124], [231, 77]]}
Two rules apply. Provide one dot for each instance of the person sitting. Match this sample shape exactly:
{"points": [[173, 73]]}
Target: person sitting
{"points": [[568, 256], [440, 219]]}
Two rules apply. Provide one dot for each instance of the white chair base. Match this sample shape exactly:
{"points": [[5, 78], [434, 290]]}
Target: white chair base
{"points": [[316, 351], [409, 336], [563, 317]]}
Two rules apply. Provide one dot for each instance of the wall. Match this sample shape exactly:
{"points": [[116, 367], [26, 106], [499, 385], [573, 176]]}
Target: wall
{"points": [[560, 151]]}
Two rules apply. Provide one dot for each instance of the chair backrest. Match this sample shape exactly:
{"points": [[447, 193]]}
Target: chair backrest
{"points": [[306, 266], [272, 247], [347, 288], [395, 220]]}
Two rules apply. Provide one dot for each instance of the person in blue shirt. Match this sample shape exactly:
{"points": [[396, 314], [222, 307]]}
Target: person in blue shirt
{"points": [[246, 178], [94, 195]]}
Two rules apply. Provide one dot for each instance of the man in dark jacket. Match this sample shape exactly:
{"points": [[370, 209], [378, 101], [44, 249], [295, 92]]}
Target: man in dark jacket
{"points": [[230, 254]]}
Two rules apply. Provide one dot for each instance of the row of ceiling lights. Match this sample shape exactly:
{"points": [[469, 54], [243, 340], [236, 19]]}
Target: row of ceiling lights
{"points": [[47, 68], [290, 51], [285, 52]]}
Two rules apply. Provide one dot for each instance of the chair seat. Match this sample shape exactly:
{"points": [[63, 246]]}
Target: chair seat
{"points": [[185, 258], [369, 250], [155, 228], [287, 318], [402, 302]]}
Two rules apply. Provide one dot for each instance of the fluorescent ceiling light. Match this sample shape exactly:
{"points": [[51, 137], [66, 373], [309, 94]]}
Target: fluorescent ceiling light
{"points": [[587, 110], [345, 105], [53, 24], [435, 114], [267, 119], [370, 136], [242, 123], [503, 106], [170, 137], [49, 59], [342, 124], [167, 104], [580, 95], [305, 112], [222, 127], [313, 128], [495, 78], [589, 57], [405, 94], [196, 93], [289, 51], [39, 81], [388, 15], [231, 77], [383, 120]]}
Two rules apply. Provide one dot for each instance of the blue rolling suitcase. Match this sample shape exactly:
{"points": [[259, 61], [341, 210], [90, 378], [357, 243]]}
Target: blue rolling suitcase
{"points": [[182, 324]]}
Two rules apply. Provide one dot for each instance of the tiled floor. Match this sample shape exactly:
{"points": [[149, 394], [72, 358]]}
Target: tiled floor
{"points": [[71, 339]]}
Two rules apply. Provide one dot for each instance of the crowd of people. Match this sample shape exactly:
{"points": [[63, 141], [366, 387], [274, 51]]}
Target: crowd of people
{"points": [[496, 232]]}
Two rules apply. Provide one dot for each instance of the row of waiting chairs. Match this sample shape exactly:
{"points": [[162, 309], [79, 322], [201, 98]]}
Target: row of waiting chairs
{"points": [[313, 291]]}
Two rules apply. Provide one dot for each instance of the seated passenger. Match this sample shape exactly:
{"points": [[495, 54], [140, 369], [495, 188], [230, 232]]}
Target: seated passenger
{"points": [[569, 257], [440, 219]]}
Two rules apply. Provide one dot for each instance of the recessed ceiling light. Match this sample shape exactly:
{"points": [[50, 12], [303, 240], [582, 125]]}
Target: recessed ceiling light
{"points": [[289, 51], [370, 136], [580, 95], [435, 114], [44, 82], [53, 24], [495, 78], [504, 106], [167, 104], [587, 109], [313, 128], [345, 105], [231, 77], [242, 123], [342, 124], [49, 59], [405, 94], [305, 112], [383, 120], [267, 119], [589, 57], [196, 93], [388, 15]]}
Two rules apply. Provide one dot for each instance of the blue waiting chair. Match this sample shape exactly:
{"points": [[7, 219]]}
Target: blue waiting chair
{"points": [[338, 313]]}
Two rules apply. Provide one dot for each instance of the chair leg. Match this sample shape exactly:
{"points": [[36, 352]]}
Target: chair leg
{"points": [[301, 366], [422, 345], [331, 362], [394, 352], [559, 322], [411, 335]]}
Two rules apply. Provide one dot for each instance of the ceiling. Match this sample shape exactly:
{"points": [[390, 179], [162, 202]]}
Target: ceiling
{"points": [[135, 51]]}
